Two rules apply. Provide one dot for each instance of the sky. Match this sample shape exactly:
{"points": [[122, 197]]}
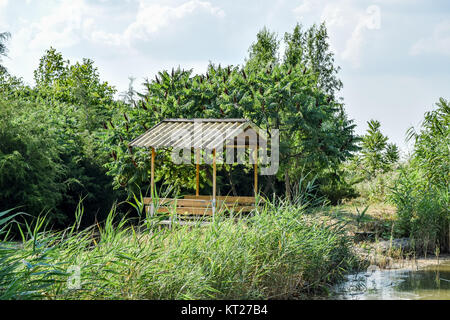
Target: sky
{"points": [[394, 54]]}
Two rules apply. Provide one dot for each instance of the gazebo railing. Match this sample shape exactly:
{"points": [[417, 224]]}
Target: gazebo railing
{"points": [[201, 205]]}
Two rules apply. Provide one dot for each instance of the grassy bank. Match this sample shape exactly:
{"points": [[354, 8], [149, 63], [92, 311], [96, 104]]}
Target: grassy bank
{"points": [[279, 252]]}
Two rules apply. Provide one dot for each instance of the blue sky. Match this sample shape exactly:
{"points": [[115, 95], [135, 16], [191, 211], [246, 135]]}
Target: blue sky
{"points": [[394, 54]]}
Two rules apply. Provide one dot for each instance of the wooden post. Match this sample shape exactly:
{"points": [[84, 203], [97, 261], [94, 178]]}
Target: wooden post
{"points": [[214, 184], [256, 170], [197, 191], [152, 182]]}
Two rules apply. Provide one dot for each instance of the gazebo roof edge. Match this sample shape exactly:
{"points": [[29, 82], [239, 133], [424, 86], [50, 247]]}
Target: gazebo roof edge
{"points": [[161, 134], [207, 120]]}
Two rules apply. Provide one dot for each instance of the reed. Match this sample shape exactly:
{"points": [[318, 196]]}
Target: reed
{"points": [[278, 252]]}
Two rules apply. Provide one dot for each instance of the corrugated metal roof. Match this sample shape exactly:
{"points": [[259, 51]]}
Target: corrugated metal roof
{"points": [[196, 133]]}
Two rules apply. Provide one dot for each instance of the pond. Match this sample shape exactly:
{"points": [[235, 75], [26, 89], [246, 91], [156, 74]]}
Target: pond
{"points": [[431, 282]]}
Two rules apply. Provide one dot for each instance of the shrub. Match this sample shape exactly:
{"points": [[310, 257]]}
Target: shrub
{"points": [[30, 165]]}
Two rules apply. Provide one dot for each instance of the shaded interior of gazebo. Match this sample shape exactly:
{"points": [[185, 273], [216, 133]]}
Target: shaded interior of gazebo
{"points": [[214, 135]]}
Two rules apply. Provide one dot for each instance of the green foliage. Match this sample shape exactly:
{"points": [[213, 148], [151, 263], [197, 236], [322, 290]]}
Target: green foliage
{"points": [[371, 171], [30, 163], [78, 85], [3, 50], [50, 148], [392, 154], [310, 48], [377, 189], [376, 154], [264, 51], [422, 191], [431, 149], [84, 127], [361, 215], [26, 273], [82, 103]]}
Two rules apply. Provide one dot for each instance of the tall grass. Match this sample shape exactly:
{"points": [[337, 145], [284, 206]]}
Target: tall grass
{"points": [[422, 191], [378, 188], [423, 211], [277, 252]]}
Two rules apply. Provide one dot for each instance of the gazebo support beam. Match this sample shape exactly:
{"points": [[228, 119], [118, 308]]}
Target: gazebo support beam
{"points": [[214, 183], [152, 182], [197, 189], [256, 171]]}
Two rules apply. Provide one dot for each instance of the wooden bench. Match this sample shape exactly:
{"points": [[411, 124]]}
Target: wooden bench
{"points": [[202, 205]]}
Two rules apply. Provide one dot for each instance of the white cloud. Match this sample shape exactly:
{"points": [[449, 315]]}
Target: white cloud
{"points": [[71, 23], [305, 7], [438, 42], [152, 17], [347, 22], [3, 24], [370, 20], [63, 27]]}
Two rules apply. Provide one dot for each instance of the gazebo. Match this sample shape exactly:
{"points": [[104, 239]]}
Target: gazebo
{"points": [[202, 136]]}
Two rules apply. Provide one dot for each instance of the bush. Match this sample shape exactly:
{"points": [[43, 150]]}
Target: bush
{"points": [[30, 166], [50, 150]]}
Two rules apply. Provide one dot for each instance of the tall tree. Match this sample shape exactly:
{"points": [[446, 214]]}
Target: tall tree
{"points": [[377, 155], [311, 49], [308, 78], [76, 84], [82, 104], [264, 51], [4, 36]]}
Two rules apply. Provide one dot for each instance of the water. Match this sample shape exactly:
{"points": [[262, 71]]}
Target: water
{"points": [[428, 283]]}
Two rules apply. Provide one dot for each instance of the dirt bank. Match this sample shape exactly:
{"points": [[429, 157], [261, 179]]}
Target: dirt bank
{"points": [[419, 263]]}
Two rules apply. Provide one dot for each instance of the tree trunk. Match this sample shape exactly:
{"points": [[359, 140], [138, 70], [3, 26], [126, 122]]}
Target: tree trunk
{"points": [[230, 179], [269, 186], [288, 185]]}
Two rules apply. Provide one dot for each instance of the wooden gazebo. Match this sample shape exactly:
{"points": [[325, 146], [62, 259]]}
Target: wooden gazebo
{"points": [[214, 135]]}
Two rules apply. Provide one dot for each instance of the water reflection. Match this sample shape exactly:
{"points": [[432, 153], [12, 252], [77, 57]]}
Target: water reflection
{"points": [[428, 283]]}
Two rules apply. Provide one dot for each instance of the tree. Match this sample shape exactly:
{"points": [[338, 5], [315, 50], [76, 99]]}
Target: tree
{"points": [[376, 154], [52, 67], [80, 104], [315, 132], [310, 48], [264, 51], [51, 155], [30, 163], [392, 153], [78, 85], [4, 36]]}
